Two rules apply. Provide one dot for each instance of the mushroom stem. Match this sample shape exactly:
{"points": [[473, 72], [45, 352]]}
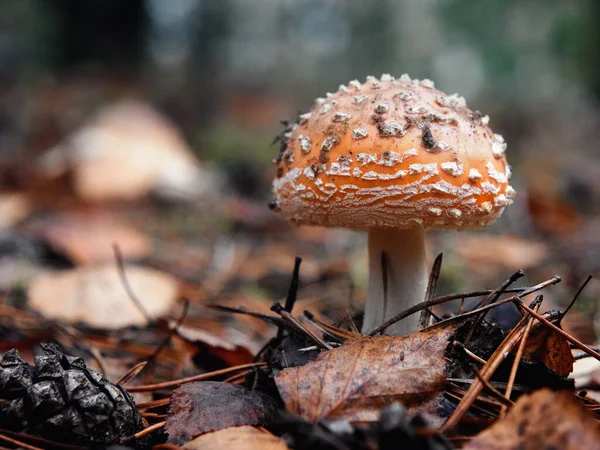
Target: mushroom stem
{"points": [[406, 277]]}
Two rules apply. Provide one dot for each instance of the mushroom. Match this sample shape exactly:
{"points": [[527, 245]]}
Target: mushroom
{"points": [[392, 157]]}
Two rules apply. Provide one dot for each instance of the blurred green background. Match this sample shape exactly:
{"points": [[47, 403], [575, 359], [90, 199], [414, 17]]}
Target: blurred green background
{"points": [[226, 71]]}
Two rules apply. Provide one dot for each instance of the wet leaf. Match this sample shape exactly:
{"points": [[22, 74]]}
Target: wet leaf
{"points": [[97, 297], [359, 378], [551, 349], [242, 438], [544, 419], [197, 408]]}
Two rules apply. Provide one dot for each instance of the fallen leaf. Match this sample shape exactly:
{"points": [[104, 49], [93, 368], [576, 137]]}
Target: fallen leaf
{"points": [[14, 207], [207, 343], [127, 151], [544, 419], [586, 373], [200, 407], [242, 438], [89, 238], [96, 295], [551, 349], [356, 380]]}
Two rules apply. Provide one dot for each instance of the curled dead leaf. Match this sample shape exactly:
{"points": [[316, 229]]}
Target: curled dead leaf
{"points": [[96, 295], [242, 438], [200, 407], [551, 349], [544, 419], [356, 380]]}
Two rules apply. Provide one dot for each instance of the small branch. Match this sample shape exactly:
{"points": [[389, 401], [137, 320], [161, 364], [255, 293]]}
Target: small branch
{"points": [[515, 367], [384, 280], [292, 292], [494, 296], [136, 301], [201, 377], [22, 444], [434, 277], [150, 429], [286, 316], [132, 373], [580, 345], [266, 317], [495, 392], [514, 298], [577, 294]]}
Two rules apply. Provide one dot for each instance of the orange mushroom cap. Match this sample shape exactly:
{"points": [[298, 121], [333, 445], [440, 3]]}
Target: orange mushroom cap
{"points": [[392, 153]]}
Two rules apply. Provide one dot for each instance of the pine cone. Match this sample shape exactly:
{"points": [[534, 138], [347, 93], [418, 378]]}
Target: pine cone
{"points": [[61, 399]]}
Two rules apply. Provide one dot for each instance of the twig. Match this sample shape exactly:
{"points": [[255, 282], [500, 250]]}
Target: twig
{"points": [[522, 292], [39, 440], [384, 280], [434, 277], [150, 429], [515, 367], [19, 443], [132, 373], [136, 301], [511, 339], [580, 345], [292, 292], [179, 382], [154, 404], [577, 294], [337, 333], [495, 392], [500, 289], [277, 308], [174, 330], [351, 323], [266, 317], [469, 353], [494, 296], [514, 298]]}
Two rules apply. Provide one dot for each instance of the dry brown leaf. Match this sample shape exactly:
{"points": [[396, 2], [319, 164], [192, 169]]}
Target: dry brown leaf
{"points": [[542, 420], [242, 438], [14, 207], [200, 407], [551, 349], [359, 378], [125, 152], [96, 296], [206, 343], [89, 238]]}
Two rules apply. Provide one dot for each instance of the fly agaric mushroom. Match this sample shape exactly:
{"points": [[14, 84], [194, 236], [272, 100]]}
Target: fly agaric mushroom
{"points": [[393, 157]]}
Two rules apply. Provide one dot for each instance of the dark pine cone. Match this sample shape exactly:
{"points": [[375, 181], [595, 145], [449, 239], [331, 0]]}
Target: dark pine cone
{"points": [[61, 399]]}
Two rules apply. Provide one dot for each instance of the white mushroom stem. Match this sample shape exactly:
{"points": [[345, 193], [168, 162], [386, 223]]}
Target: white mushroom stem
{"points": [[407, 278]]}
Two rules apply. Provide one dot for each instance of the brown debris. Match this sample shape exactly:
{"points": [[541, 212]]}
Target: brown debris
{"points": [[544, 419], [551, 349], [96, 295], [241, 438], [356, 380], [209, 406]]}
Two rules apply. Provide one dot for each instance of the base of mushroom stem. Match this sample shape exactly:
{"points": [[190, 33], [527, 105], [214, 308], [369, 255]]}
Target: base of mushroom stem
{"points": [[406, 278]]}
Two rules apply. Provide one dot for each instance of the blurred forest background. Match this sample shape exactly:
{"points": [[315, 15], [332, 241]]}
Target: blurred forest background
{"points": [[224, 73]]}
